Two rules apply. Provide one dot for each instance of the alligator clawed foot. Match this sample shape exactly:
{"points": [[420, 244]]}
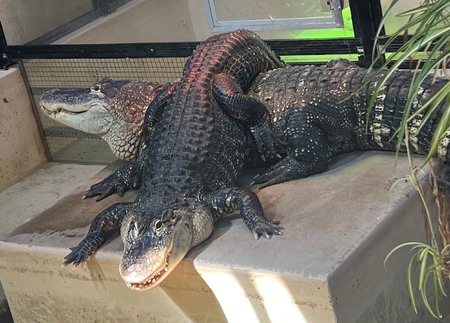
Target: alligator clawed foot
{"points": [[126, 178], [76, 257], [287, 169], [104, 189], [267, 229], [269, 146]]}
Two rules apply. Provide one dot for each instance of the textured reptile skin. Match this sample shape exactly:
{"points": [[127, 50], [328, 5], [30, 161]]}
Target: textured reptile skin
{"points": [[321, 111], [194, 158]]}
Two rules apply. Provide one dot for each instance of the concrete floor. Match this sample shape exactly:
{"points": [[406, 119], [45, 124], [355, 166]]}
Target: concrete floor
{"points": [[328, 265], [34, 194]]}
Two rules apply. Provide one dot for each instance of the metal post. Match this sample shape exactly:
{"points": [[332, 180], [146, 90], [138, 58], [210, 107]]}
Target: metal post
{"points": [[366, 16], [4, 61]]}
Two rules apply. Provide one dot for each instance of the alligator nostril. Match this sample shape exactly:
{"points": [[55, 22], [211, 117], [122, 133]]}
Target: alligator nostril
{"points": [[135, 273]]}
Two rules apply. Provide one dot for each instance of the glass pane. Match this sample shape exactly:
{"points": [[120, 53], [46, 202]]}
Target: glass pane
{"points": [[24, 20], [268, 9], [393, 22], [149, 20], [329, 33]]}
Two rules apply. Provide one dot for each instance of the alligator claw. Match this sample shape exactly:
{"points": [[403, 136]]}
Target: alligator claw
{"points": [[105, 188], [267, 143], [102, 190], [267, 229], [287, 169], [267, 235], [124, 179], [76, 257]]}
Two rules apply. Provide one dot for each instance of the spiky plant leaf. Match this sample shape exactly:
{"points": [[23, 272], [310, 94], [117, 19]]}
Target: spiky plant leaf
{"points": [[432, 23]]}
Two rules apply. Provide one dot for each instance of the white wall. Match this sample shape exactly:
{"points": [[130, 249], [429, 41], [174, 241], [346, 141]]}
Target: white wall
{"points": [[25, 20]]}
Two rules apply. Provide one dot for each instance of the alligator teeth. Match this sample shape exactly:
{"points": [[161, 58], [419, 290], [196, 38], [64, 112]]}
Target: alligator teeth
{"points": [[152, 280]]}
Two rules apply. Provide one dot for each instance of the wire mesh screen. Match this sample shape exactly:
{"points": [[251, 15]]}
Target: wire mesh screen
{"points": [[69, 145]]}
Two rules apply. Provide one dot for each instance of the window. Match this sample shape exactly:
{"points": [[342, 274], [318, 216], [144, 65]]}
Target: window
{"points": [[227, 15]]}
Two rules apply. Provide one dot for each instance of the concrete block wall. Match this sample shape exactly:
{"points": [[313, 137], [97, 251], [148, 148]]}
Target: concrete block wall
{"points": [[327, 267], [21, 147]]}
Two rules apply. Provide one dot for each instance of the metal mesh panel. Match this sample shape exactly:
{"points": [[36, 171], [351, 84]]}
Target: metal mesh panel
{"points": [[65, 144]]}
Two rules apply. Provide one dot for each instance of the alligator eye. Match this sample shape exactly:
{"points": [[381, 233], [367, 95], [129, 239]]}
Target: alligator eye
{"points": [[96, 88], [157, 226]]}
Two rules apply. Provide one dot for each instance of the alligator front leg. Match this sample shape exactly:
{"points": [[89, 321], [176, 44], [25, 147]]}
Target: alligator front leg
{"points": [[251, 112], [126, 178], [232, 199], [108, 220], [308, 156], [308, 127], [129, 176], [289, 168]]}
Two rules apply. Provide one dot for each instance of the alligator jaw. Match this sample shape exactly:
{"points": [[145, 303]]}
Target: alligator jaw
{"points": [[137, 272], [56, 110], [91, 116], [154, 269]]}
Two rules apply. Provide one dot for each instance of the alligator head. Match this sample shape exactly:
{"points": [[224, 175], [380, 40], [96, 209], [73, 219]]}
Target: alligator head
{"points": [[153, 246], [114, 110]]}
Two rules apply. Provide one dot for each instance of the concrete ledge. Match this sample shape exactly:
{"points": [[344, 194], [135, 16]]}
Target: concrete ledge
{"points": [[327, 267]]}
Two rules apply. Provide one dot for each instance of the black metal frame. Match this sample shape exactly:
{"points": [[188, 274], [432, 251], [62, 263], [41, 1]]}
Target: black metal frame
{"points": [[5, 62], [366, 15], [172, 49]]}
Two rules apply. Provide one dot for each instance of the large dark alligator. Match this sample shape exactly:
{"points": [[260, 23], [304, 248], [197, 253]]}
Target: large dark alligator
{"points": [[319, 111], [190, 165]]}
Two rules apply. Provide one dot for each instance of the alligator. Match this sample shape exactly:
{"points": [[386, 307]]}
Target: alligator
{"points": [[199, 130], [319, 111], [322, 111]]}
